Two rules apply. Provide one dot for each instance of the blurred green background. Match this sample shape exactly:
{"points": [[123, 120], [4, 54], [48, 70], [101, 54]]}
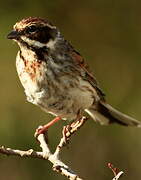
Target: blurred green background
{"points": [[108, 35]]}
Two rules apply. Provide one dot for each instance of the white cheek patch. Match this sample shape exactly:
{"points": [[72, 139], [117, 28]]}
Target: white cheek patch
{"points": [[51, 44], [30, 42]]}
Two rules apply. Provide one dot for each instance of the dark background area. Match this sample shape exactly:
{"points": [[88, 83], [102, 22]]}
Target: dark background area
{"points": [[108, 35]]}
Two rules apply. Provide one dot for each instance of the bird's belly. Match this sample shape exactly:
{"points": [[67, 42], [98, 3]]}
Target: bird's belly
{"points": [[62, 102], [66, 104]]}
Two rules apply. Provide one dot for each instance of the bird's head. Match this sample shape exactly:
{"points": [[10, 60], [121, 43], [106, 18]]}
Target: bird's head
{"points": [[34, 32]]}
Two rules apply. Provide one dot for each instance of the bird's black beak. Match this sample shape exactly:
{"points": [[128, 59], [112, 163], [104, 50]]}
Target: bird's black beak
{"points": [[13, 35]]}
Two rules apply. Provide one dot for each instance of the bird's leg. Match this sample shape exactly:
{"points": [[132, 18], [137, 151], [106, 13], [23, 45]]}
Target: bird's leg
{"points": [[43, 129]]}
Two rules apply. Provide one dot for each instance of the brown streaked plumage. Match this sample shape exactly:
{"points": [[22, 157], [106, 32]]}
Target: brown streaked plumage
{"points": [[31, 20], [56, 78]]}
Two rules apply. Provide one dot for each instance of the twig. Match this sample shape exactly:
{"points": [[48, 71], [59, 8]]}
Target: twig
{"points": [[46, 154], [29, 153], [115, 171]]}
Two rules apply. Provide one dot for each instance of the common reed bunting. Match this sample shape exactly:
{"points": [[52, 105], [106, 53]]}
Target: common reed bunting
{"points": [[56, 78]]}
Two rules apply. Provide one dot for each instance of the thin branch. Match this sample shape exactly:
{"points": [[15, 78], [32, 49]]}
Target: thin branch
{"points": [[46, 154], [117, 173], [29, 153]]}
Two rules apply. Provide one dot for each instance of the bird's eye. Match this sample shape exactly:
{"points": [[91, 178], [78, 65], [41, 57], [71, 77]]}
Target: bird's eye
{"points": [[31, 29]]}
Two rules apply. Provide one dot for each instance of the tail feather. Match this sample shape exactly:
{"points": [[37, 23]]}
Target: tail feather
{"points": [[106, 114]]}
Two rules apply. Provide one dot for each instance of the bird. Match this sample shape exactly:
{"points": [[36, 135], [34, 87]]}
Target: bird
{"points": [[56, 77]]}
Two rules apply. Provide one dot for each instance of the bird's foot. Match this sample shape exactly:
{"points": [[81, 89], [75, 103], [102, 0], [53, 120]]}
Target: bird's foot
{"points": [[44, 129]]}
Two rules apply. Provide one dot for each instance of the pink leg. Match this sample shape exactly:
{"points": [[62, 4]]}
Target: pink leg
{"points": [[43, 129]]}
